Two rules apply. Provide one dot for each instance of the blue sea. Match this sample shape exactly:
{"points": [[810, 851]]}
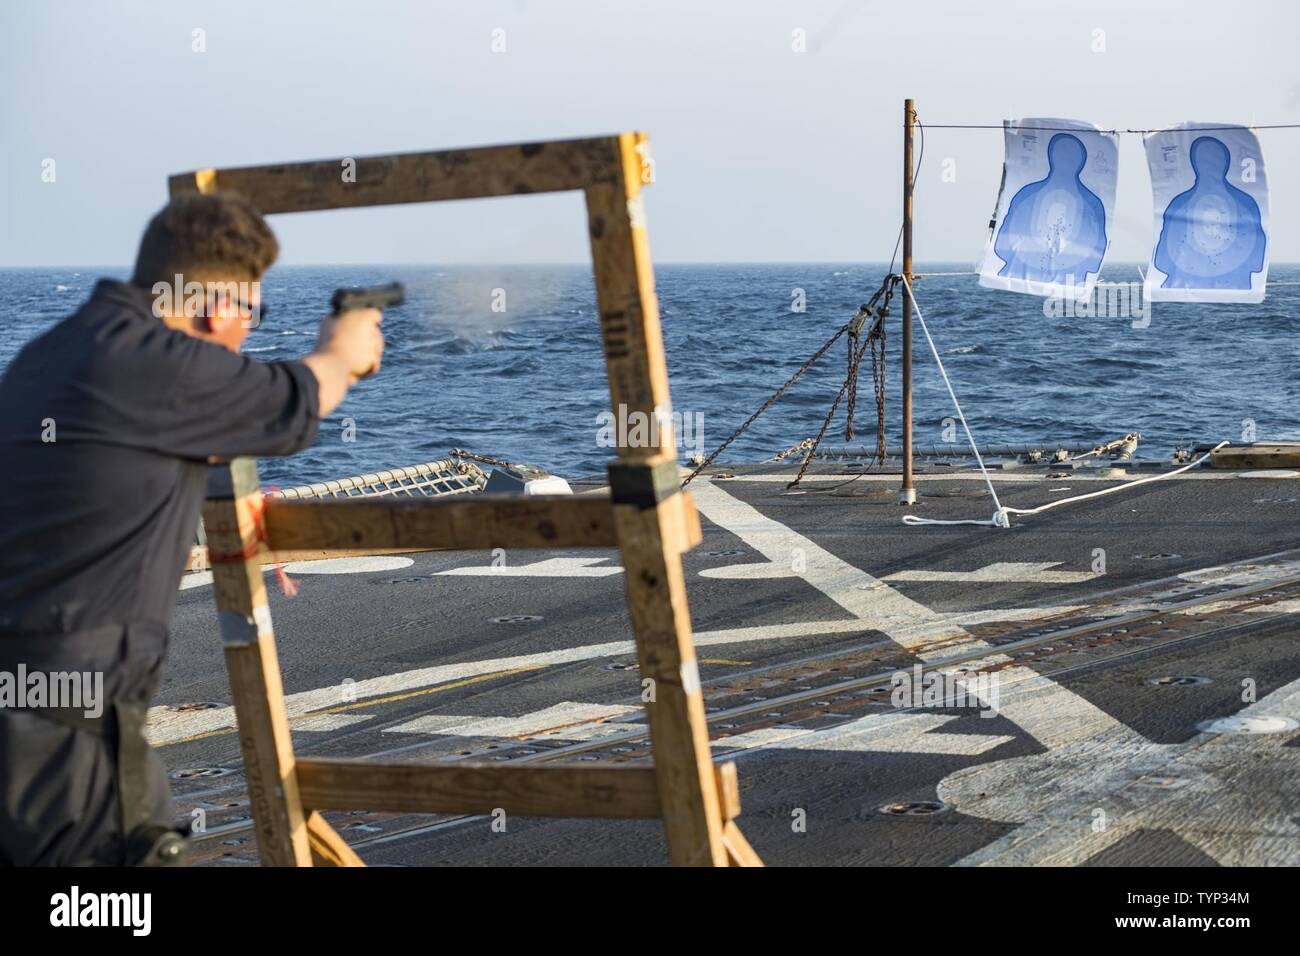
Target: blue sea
{"points": [[506, 361]]}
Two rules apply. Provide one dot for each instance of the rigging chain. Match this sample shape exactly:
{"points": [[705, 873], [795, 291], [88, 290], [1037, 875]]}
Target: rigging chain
{"points": [[875, 334], [853, 326]]}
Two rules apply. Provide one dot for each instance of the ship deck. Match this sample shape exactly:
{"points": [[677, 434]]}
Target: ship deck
{"points": [[1112, 640]]}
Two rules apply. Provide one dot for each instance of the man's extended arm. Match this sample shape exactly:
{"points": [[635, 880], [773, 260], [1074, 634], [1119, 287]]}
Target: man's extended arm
{"points": [[216, 405]]}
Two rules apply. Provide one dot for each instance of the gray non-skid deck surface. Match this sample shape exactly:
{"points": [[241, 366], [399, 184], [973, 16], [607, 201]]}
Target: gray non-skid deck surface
{"points": [[381, 628]]}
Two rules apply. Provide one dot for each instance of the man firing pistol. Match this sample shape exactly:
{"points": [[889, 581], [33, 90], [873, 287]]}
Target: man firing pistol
{"points": [[108, 421]]}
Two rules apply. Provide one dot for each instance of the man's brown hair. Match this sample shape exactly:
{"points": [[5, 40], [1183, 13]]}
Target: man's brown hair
{"points": [[212, 235]]}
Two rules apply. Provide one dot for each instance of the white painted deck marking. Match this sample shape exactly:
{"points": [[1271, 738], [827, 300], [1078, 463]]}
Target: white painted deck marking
{"points": [[940, 625], [570, 720], [1208, 791], [367, 564], [1213, 607], [875, 604], [916, 733], [759, 739], [1289, 606], [1036, 572], [1245, 605], [168, 726], [322, 723], [872, 604], [748, 572], [1059, 719], [195, 579], [1242, 575], [909, 623], [549, 568]]}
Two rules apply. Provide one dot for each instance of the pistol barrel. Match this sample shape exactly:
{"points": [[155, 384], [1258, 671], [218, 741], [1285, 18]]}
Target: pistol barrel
{"points": [[373, 297]]}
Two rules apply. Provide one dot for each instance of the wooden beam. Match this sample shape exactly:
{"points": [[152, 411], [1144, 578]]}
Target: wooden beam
{"points": [[728, 789], [684, 523], [231, 519], [463, 787], [299, 524], [414, 177], [1247, 457], [327, 847], [656, 592], [621, 791], [626, 299], [653, 529], [477, 788], [462, 522]]}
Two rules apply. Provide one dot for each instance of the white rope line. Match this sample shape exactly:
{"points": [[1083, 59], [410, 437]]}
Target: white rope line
{"points": [[1124, 487], [1001, 517]]}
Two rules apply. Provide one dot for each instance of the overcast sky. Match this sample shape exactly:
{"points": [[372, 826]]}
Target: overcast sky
{"points": [[762, 153]]}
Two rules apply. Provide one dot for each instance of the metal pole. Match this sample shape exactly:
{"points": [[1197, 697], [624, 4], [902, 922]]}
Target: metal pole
{"points": [[907, 495]]}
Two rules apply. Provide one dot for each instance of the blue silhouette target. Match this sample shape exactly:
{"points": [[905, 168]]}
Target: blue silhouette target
{"points": [[1050, 237], [1212, 239]]}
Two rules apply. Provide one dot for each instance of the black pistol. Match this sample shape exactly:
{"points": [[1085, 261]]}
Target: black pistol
{"points": [[372, 297]]}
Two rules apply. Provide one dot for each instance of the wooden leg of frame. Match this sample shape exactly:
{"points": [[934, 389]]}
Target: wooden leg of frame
{"points": [[739, 852], [232, 517], [652, 526], [656, 590], [327, 847]]}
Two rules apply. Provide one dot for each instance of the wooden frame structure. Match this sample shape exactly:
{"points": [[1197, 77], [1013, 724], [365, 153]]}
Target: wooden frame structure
{"points": [[646, 516]]}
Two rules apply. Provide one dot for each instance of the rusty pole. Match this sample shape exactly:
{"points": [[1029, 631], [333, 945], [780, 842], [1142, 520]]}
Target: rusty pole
{"points": [[907, 495]]}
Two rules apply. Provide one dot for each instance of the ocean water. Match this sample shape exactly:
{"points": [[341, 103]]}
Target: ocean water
{"points": [[525, 380]]}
